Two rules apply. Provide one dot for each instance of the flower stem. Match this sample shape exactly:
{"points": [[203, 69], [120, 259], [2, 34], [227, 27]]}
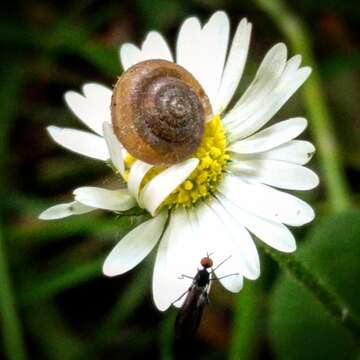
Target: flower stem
{"points": [[321, 124], [318, 289], [10, 323], [246, 323], [12, 332]]}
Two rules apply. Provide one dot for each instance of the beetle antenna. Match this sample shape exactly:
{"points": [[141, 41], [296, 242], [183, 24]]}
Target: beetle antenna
{"points": [[208, 255], [212, 270]]}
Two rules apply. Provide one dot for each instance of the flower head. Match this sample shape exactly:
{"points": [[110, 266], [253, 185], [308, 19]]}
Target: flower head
{"points": [[229, 187]]}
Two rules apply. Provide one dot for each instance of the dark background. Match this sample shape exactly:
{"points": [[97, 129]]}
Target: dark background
{"points": [[50, 272]]}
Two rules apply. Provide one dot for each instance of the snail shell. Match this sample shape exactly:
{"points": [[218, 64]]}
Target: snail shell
{"points": [[158, 111]]}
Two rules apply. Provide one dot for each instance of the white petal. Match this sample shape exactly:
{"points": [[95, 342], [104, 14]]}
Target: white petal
{"points": [[183, 256], [64, 210], [266, 202], [188, 46], [129, 55], [162, 185], [275, 173], [275, 81], [155, 47], [265, 109], [214, 43], [272, 233], [93, 108], [230, 280], [295, 151], [242, 241], [163, 277], [81, 142], [264, 82], [135, 246], [115, 148], [270, 137], [137, 173], [234, 66], [292, 65], [114, 200], [220, 247]]}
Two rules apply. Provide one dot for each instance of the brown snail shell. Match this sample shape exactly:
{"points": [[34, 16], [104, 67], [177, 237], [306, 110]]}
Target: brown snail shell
{"points": [[158, 111]]}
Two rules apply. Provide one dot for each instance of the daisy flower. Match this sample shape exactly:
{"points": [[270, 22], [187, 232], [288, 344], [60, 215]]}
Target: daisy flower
{"points": [[229, 190]]}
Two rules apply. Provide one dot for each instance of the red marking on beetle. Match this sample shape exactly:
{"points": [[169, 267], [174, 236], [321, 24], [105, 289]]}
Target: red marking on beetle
{"points": [[206, 262]]}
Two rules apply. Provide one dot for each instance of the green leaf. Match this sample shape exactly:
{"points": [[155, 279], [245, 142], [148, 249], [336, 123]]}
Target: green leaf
{"points": [[53, 283], [167, 12], [60, 341], [299, 326]]}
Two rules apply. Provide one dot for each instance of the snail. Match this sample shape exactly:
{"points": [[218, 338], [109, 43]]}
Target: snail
{"points": [[158, 111]]}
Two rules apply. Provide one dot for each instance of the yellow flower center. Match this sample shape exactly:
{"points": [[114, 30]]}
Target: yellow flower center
{"points": [[205, 178]]}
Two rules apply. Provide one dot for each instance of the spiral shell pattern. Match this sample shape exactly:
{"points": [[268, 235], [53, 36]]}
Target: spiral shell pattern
{"points": [[158, 112]]}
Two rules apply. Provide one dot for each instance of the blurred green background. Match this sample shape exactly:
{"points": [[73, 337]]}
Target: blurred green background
{"points": [[54, 301]]}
